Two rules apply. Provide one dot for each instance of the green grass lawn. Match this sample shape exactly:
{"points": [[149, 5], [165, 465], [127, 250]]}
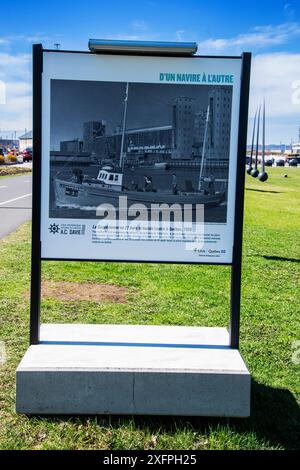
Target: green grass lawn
{"points": [[176, 295]]}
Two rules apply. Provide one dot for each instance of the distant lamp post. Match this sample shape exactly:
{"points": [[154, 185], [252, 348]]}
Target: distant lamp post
{"points": [[57, 46]]}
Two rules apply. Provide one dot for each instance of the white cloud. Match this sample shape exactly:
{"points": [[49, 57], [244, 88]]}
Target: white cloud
{"points": [[273, 75], [2, 92], [257, 38], [16, 113], [289, 11], [272, 78], [4, 41], [140, 25], [179, 34], [15, 74], [18, 88], [29, 38], [128, 37], [39, 37], [14, 66], [134, 36]]}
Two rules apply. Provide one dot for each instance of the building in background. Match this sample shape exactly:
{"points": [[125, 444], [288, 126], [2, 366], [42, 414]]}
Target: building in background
{"points": [[71, 146], [9, 143], [183, 139], [220, 119], [183, 128], [199, 129], [25, 141], [138, 143], [92, 130], [296, 148]]}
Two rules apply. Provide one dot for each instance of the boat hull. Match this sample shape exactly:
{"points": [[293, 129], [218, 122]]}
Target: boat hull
{"points": [[90, 196]]}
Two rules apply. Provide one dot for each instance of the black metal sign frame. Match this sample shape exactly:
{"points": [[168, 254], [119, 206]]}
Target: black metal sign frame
{"points": [[236, 264]]}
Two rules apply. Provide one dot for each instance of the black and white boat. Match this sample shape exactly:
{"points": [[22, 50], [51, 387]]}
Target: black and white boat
{"points": [[81, 191]]}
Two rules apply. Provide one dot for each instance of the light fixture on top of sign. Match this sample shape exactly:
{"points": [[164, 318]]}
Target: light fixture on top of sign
{"points": [[144, 47]]}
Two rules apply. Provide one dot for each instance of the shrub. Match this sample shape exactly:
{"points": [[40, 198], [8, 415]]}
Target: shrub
{"points": [[2, 160], [12, 158]]}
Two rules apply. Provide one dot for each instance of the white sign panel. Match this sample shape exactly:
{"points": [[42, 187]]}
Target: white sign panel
{"points": [[139, 157]]}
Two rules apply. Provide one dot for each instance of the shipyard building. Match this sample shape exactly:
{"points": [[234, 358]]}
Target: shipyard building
{"points": [[183, 139]]}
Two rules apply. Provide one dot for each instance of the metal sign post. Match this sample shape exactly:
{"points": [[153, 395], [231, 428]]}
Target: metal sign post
{"points": [[236, 268], [35, 292]]}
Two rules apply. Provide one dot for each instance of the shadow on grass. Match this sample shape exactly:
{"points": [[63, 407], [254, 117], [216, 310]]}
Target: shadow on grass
{"points": [[263, 191], [280, 258], [275, 421], [275, 418]]}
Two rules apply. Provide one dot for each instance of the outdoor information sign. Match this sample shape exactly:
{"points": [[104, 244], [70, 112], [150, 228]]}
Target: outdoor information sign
{"points": [[139, 158]]}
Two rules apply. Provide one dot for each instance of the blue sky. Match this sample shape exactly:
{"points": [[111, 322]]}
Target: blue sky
{"points": [[269, 29]]}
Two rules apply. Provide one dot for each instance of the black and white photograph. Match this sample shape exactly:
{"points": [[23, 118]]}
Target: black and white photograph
{"points": [[153, 143]]}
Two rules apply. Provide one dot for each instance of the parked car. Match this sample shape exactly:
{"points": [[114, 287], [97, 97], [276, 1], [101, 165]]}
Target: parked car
{"points": [[27, 154], [269, 162], [293, 162], [280, 162]]}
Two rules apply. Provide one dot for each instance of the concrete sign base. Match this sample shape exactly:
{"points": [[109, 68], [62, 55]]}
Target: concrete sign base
{"points": [[127, 369]]}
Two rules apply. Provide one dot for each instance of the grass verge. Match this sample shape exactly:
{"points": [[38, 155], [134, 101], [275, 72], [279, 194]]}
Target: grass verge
{"points": [[164, 294], [8, 171]]}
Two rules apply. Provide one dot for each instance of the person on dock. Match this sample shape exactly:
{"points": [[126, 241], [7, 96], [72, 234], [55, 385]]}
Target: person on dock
{"points": [[148, 183], [211, 185], [174, 183]]}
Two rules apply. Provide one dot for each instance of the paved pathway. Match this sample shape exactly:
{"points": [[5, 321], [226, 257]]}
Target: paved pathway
{"points": [[15, 202]]}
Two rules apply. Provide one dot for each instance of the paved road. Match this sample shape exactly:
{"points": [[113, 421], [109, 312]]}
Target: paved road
{"points": [[15, 202]]}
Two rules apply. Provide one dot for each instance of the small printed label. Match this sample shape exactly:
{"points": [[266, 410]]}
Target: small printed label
{"points": [[67, 229]]}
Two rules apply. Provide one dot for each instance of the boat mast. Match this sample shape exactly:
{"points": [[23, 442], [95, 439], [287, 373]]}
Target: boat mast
{"points": [[203, 149], [123, 128]]}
